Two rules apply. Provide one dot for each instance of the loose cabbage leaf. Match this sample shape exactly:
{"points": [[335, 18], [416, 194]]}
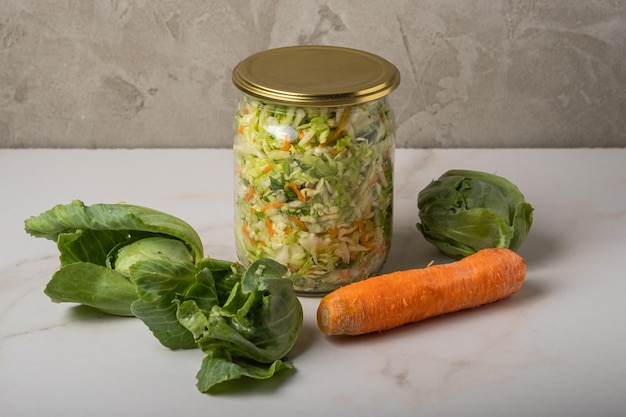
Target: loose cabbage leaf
{"points": [[218, 367], [250, 334]]}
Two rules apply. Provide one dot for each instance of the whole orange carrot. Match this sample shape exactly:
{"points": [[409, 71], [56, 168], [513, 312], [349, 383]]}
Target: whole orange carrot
{"points": [[391, 300]]}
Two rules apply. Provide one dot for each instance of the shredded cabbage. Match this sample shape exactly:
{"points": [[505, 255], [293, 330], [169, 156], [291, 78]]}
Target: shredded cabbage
{"points": [[314, 189]]}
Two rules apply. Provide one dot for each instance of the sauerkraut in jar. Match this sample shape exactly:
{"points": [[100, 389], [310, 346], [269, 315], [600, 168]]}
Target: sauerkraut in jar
{"points": [[314, 186]]}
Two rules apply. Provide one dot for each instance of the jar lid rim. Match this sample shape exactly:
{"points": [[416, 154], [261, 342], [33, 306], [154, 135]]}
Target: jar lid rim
{"points": [[316, 75]]}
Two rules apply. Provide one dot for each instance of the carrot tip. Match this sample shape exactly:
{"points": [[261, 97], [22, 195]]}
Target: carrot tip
{"points": [[323, 320]]}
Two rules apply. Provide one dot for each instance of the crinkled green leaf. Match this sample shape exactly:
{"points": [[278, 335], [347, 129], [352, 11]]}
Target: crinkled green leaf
{"points": [[93, 285], [85, 245], [219, 367], [257, 326], [158, 284], [465, 211], [522, 220], [125, 218], [226, 275]]}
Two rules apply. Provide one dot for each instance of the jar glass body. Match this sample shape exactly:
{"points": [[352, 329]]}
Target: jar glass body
{"points": [[314, 189]]}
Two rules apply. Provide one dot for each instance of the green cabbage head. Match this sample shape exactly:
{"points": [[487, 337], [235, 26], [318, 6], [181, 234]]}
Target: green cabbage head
{"points": [[464, 211]]}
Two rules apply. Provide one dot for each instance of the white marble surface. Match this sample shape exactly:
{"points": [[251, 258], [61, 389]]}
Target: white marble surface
{"points": [[554, 349]]}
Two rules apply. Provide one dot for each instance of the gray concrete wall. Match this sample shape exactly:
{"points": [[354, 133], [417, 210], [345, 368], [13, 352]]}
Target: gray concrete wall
{"points": [[480, 73]]}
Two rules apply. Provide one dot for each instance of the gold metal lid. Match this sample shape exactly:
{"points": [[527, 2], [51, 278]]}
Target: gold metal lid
{"points": [[320, 76]]}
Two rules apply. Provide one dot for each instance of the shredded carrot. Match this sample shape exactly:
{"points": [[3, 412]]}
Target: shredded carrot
{"points": [[301, 134], [275, 204], [268, 224], [368, 245], [373, 181], [268, 167], [374, 250], [344, 274], [296, 190], [299, 222], [287, 144], [246, 232], [250, 194], [362, 271], [362, 232], [240, 130], [397, 298], [337, 132]]}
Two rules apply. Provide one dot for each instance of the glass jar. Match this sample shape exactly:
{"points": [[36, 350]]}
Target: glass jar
{"points": [[313, 150]]}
